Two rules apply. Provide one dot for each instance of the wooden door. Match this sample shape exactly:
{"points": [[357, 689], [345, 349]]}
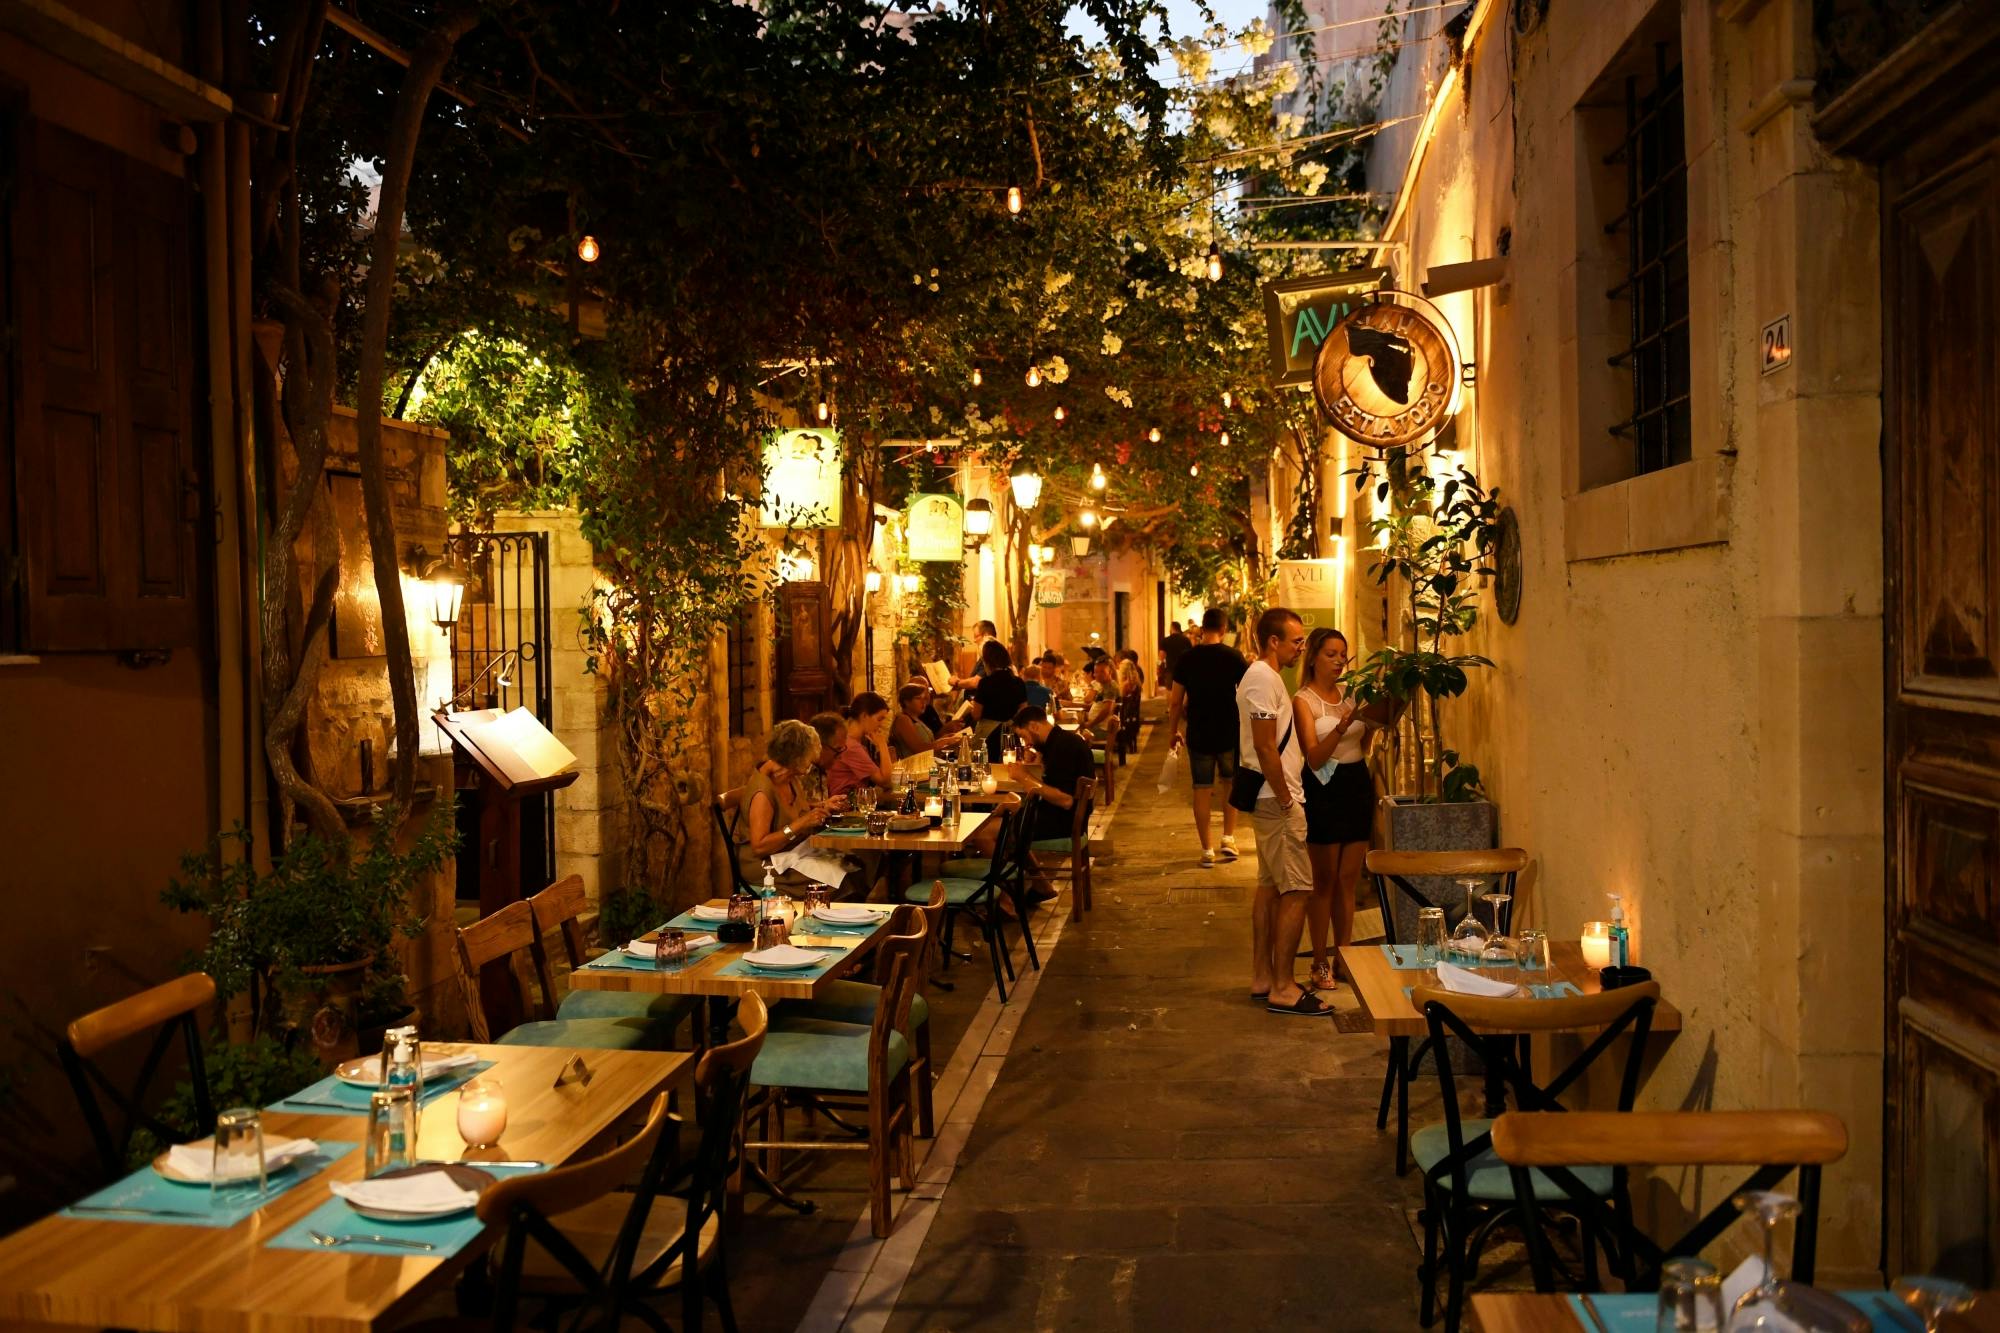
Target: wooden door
{"points": [[805, 673], [1941, 409]]}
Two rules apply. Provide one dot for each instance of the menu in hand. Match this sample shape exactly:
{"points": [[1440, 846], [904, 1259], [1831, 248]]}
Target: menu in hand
{"points": [[938, 675]]}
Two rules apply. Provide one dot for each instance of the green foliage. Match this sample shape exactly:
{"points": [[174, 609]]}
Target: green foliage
{"points": [[1461, 780], [624, 914], [256, 1072]]}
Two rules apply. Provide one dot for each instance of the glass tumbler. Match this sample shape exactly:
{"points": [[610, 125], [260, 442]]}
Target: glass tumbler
{"points": [[1532, 951], [670, 951], [1690, 1298], [237, 1170], [392, 1131], [772, 931], [817, 896], [1430, 936]]}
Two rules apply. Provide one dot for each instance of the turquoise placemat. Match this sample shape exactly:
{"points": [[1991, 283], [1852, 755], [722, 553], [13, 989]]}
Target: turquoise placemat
{"points": [[446, 1235], [814, 925], [1635, 1312], [739, 968], [196, 1205], [1402, 957], [618, 960], [330, 1096], [1559, 990], [689, 921]]}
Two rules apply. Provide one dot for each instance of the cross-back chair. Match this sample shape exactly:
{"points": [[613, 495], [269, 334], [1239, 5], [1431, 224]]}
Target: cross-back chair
{"points": [[508, 937], [1468, 1190], [1773, 1143], [728, 812], [1394, 873], [1069, 858], [559, 910], [979, 897], [173, 1008]]}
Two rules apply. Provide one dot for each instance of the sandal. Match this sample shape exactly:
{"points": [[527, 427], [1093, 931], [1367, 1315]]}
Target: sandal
{"points": [[1307, 1005], [1322, 978], [1259, 996]]}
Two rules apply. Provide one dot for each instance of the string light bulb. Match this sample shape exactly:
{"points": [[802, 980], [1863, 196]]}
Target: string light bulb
{"points": [[1224, 440], [1060, 414], [587, 250], [1154, 435], [825, 410], [1088, 518], [1215, 261], [1034, 377], [1014, 200], [1098, 480], [1194, 469], [977, 378], [1228, 399]]}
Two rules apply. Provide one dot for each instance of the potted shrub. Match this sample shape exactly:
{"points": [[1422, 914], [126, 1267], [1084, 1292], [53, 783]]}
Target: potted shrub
{"points": [[309, 940]]}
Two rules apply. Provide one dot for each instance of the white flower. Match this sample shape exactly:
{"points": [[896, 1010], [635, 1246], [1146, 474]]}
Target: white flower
{"points": [[1140, 288], [1193, 59], [1312, 176], [934, 273], [1053, 282], [1221, 123], [936, 415], [1112, 344], [1257, 38], [1193, 266], [1287, 125], [1058, 370], [917, 279], [1112, 309], [1122, 397], [933, 286], [1285, 79]]}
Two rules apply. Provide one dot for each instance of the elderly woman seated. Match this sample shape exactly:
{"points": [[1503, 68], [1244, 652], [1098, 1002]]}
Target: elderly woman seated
{"points": [[779, 818]]}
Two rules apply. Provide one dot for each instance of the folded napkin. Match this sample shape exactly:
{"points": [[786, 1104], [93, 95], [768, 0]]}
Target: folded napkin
{"points": [[847, 914], [424, 1192], [434, 1065], [641, 949], [1463, 982], [196, 1161], [706, 913], [782, 955]]}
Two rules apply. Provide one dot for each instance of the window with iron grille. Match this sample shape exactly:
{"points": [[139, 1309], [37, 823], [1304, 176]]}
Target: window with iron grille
{"points": [[743, 679], [1654, 295]]}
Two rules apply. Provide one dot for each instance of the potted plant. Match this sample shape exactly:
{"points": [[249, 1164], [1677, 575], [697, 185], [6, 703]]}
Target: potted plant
{"points": [[309, 940]]}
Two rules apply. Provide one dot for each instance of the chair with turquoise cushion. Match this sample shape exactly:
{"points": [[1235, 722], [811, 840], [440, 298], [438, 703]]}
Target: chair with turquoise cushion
{"points": [[507, 939], [1074, 851], [832, 1066], [559, 908], [1468, 1190], [980, 898]]}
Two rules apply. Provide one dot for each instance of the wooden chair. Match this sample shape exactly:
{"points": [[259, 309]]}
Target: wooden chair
{"points": [[1775, 1143], [172, 1007], [728, 809], [1396, 870], [634, 1244], [1468, 1191], [1060, 858], [832, 1067], [508, 937], [559, 909], [1128, 726], [1105, 751], [979, 898]]}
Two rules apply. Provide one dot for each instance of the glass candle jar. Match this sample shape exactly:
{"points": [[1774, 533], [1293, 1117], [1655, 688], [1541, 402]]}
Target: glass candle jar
{"points": [[482, 1112], [1597, 944]]}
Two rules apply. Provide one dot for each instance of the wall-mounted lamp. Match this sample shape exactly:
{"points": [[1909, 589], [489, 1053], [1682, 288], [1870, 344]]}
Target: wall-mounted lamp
{"points": [[1079, 546], [978, 521], [872, 580], [446, 583], [1026, 484], [794, 567]]}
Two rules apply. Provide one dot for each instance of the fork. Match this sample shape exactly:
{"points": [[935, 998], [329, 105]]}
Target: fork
{"points": [[331, 1242]]}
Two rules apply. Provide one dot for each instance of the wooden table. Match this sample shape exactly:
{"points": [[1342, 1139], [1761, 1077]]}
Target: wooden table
{"points": [[69, 1271], [1549, 1312], [943, 838], [703, 976], [1379, 987]]}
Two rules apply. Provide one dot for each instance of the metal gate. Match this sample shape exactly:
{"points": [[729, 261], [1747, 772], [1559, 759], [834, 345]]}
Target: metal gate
{"points": [[498, 651]]}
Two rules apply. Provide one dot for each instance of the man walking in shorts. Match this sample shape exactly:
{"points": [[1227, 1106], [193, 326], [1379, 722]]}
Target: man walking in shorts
{"points": [[1202, 716], [1284, 875]]}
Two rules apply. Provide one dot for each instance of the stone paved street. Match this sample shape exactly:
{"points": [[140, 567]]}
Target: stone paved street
{"points": [[1158, 1152]]}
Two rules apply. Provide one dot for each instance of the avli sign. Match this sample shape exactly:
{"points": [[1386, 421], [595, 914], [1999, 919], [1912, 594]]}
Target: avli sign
{"points": [[1388, 374], [802, 479], [935, 528], [1299, 313]]}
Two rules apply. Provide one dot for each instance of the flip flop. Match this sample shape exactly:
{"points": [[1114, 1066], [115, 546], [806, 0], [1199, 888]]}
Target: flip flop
{"points": [[1307, 1005], [1259, 996]]}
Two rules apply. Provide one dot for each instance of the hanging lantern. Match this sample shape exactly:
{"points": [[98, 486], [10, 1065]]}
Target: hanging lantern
{"points": [[1194, 469], [1224, 440], [1079, 546], [978, 518], [1060, 414], [587, 251], [977, 378], [1215, 261], [1014, 199], [1026, 484], [1228, 399], [1097, 478], [825, 410], [1034, 377]]}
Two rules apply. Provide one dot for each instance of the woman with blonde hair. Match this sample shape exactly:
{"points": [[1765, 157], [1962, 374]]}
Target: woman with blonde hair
{"points": [[1339, 795], [779, 818]]}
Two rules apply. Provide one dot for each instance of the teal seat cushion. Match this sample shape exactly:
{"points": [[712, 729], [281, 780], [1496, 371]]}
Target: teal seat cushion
{"points": [[1050, 845], [846, 1002], [1097, 757], [957, 890], [1487, 1177], [670, 1009], [821, 1053], [593, 1034], [971, 867]]}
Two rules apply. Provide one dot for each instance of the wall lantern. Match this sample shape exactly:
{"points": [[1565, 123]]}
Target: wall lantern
{"points": [[445, 584], [1079, 546], [977, 378], [1026, 484], [978, 520], [872, 580], [794, 567], [909, 583]]}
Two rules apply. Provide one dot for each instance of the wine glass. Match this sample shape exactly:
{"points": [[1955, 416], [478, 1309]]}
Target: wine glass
{"points": [[1501, 952], [1690, 1297], [1933, 1298], [1762, 1307], [1469, 936]]}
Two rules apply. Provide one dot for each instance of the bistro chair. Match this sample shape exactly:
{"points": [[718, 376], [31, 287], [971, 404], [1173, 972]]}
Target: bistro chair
{"points": [[728, 811], [1396, 870], [979, 898], [1128, 726], [856, 1002], [508, 937], [1102, 752], [1563, 1149], [576, 1244], [559, 909], [1069, 858], [1468, 1190], [829, 1067], [171, 1007]]}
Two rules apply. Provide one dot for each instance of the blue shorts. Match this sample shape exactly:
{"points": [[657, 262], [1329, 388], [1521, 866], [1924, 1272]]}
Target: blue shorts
{"points": [[1206, 768]]}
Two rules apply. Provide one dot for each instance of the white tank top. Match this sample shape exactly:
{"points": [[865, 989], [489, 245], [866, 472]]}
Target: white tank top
{"points": [[1327, 716]]}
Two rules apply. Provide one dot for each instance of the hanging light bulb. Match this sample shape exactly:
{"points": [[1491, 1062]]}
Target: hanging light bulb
{"points": [[1097, 478], [1224, 441], [1060, 414], [1034, 377], [1228, 400], [587, 251], [1215, 261], [1194, 469], [825, 410], [1026, 484], [977, 378], [1154, 435], [1014, 199], [1088, 518]]}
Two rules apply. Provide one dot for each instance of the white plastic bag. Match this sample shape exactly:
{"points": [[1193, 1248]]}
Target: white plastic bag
{"points": [[1175, 760]]}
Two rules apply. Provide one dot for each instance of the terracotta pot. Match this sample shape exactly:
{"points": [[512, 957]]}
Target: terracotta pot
{"points": [[325, 1007]]}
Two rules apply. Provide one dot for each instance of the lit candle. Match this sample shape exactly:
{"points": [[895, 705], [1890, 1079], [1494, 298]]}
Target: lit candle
{"points": [[989, 784], [934, 808], [1597, 943], [482, 1112]]}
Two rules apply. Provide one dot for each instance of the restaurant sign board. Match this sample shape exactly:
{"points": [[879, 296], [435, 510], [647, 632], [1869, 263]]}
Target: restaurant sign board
{"points": [[802, 479], [1311, 588], [1299, 313], [1388, 375], [1050, 587], [935, 528]]}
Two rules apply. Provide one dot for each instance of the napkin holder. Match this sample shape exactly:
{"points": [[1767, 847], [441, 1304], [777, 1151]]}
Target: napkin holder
{"points": [[1611, 978]]}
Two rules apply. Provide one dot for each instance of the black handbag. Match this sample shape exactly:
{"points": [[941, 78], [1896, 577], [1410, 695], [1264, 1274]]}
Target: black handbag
{"points": [[1247, 782]]}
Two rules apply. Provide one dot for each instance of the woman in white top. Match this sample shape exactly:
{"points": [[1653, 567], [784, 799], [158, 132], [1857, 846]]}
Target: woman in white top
{"points": [[1339, 795]]}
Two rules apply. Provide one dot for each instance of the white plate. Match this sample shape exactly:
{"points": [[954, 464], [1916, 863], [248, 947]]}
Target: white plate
{"points": [[439, 1061], [784, 957], [466, 1177], [848, 915]]}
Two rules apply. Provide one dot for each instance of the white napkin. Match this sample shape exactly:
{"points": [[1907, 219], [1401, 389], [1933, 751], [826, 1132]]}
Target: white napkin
{"points": [[197, 1160], [425, 1192], [641, 949], [1464, 982], [435, 1065], [847, 914], [706, 913], [782, 955]]}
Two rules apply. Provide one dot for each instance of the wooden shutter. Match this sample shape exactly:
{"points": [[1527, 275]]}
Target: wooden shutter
{"points": [[108, 497]]}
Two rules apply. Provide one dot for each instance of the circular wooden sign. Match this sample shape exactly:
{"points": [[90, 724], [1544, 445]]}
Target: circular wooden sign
{"points": [[1387, 375]]}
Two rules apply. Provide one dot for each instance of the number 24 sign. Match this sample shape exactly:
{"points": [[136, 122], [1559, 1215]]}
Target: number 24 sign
{"points": [[1777, 350]]}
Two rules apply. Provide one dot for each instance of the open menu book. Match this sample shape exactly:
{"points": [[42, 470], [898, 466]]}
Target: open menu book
{"points": [[515, 743], [938, 675]]}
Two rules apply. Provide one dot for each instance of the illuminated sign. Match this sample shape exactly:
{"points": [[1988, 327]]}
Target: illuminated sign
{"points": [[1299, 313], [935, 528], [802, 479], [1388, 374]]}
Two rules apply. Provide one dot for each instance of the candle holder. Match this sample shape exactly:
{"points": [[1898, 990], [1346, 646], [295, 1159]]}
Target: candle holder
{"points": [[482, 1112], [1597, 944]]}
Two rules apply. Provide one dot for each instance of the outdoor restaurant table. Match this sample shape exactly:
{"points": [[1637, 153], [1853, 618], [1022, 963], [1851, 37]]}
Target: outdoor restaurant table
{"points": [[1550, 1312], [943, 838], [123, 1273], [1379, 985]]}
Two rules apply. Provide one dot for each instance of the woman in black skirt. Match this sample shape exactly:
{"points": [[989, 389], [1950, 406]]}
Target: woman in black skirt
{"points": [[1340, 795]]}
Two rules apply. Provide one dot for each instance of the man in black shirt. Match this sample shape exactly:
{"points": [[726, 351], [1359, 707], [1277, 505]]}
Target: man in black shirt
{"points": [[1202, 716], [1172, 648], [1065, 760]]}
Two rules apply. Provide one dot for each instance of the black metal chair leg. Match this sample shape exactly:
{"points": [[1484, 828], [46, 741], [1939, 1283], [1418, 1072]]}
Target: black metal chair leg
{"points": [[993, 950], [1396, 1045], [1402, 1119]]}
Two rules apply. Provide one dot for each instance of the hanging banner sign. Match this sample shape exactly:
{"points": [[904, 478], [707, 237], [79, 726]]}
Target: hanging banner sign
{"points": [[1049, 588], [935, 528], [1299, 313], [1388, 374], [802, 479]]}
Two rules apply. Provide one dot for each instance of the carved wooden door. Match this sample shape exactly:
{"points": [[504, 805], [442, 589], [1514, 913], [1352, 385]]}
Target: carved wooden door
{"points": [[805, 676], [1941, 263]]}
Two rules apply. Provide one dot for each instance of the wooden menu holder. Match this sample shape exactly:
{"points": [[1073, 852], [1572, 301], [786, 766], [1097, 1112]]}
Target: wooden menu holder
{"points": [[507, 776]]}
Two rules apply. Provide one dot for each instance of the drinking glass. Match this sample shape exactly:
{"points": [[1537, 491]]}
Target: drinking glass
{"points": [[1502, 952], [670, 951], [773, 931], [1430, 936], [392, 1130], [743, 907], [1933, 1298], [1690, 1298], [878, 823], [1531, 951], [238, 1165], [1762, 1307], [482, 1111], [1469, 936]]}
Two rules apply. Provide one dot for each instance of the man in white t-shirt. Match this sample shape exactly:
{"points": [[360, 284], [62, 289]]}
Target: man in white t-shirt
{"points": [[1284, 875]]}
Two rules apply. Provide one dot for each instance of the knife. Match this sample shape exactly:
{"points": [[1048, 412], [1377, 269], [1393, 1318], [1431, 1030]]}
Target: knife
{"points": [[1590, 1308], [116, 1211]]}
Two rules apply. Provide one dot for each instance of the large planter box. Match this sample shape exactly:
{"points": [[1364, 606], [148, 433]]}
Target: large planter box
{"points": [[1415, 826]]}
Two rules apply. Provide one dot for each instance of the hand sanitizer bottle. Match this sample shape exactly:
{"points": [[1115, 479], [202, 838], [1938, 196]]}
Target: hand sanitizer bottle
{"points": [[1621, 938]]}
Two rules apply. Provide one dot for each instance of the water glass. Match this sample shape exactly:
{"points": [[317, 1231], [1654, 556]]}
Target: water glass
{"points": [[238, 1164], [817, 896], [392, 1131], [1430, 936], [670, 951], [743, 907], [1690, 1298], [482, 1111], [1532, 951], [773, 931]]}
